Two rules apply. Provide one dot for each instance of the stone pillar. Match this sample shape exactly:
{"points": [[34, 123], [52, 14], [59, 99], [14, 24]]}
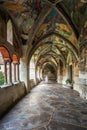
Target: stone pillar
{"points": [[36, 77], [14, 72], [40, 74], [58, 73], [18, 72], [37, 72], [10, 72], [23, 72], [5, 70]]}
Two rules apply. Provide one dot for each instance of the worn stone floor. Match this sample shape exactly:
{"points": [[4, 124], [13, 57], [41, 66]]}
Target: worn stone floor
{"points": [[48, 107]]}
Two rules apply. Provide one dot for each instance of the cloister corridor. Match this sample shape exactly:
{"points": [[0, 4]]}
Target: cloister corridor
{"points": [[48, 106], [43, 64]]}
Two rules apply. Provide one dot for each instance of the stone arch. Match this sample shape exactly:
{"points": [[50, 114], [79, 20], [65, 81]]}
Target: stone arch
{"points": [[52, 70], [4, 52], [16, 36], [15, 66], [5, 67], [15, 58]]}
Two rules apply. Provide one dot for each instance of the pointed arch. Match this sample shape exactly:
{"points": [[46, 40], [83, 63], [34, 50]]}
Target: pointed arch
{"points": [[9, 32], [15, 58], [4, 52]]}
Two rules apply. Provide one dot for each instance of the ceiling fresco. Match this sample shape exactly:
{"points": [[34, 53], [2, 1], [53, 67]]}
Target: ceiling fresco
{"points": [[56, 33], [25, 13], [47, 59], [54, 22], [76, 10], [57, 49], [83, 35], [54, 1]]}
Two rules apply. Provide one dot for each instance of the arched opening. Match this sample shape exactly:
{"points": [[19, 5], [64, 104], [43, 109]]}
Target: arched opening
{"points": [[9, 32], [32, 68], [50, 72], [5, 58], [15, 68], [2, 78]]}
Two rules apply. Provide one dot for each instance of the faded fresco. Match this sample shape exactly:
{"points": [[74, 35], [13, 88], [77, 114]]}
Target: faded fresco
{"points": [[55, 22], [25, 13], [76, 10], [84, 32], [83, 60]]}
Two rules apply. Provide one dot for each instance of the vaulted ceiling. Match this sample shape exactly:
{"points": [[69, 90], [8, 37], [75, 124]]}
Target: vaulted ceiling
{"points": [[50, 28]]}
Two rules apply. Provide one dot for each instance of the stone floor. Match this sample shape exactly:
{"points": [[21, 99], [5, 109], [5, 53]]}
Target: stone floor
{"points": [[48, 107]]}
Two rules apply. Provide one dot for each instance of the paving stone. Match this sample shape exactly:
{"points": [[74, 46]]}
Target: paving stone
{"points": [[48, 107], [63, 126], [40, 129]]}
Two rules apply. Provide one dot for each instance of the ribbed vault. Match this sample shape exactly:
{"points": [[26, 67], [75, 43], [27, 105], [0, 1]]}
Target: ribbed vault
{"points": [[50, 29]]}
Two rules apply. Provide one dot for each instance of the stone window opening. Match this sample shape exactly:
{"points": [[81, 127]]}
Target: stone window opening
{"points": [[8, 71], [9, 32], [16, 72], [15, 69]]}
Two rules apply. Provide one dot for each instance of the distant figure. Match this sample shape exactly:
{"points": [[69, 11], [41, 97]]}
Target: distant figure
{"points": [[46, 79]]}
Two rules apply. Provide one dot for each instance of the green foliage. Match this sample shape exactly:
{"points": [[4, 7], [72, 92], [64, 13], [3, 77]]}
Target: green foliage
{"points": [[68, 81], [1, 78]]}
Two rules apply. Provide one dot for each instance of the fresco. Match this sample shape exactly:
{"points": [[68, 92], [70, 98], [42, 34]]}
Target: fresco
{"points": [[76, 10], [53, 1], [55, 22], [83, 60], [22, 5], [84, 1], [84, 32], [25, 13], [43, 29]]}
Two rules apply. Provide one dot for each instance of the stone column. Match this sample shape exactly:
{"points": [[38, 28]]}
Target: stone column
{"points": [[57, 74], [18, 72], [14, 72], [36, 78], [10, 72], [23, 72], [5, 70], [40, 73]]}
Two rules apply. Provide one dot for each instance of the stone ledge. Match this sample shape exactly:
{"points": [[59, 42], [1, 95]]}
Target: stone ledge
{"points": [[10, 95]]}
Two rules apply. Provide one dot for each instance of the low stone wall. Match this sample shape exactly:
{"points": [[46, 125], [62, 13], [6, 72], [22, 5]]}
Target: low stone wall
{"points": [[82, 89], [10, 95], [32, 83], [38, 81]]}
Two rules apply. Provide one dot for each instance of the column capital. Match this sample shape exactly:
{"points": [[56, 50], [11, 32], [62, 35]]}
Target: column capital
{"points": [[7, 60]]}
